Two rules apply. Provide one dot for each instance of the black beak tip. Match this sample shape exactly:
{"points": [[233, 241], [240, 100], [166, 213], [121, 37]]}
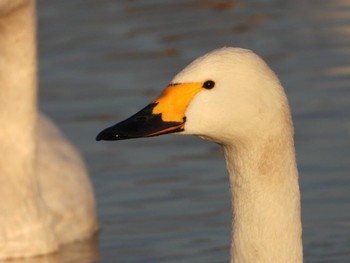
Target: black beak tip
{"points": [[112, 134], [107, 135], [99, 137], [142, 124]]}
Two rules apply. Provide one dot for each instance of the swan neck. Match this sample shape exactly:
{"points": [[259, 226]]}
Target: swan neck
{"points": [[18, 60], [18, 98], [265, 200]]}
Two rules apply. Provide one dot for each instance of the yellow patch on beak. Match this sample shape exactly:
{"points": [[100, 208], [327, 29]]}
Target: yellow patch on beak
{"points": [[173, 102]]}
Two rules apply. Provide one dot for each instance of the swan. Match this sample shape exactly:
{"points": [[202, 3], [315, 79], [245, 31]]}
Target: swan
{"points": [[231, 97], [46, 196]]}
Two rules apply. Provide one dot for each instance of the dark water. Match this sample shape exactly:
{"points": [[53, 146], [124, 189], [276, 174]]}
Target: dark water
{"points": [[167, 199]]}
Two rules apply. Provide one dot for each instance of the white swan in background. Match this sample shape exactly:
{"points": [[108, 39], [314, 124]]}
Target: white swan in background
{"points": [[230, 96], [46, 196]]}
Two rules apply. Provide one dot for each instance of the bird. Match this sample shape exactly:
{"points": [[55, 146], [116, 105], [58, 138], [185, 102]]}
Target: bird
{"points": [[230, 96], [46, 196]]}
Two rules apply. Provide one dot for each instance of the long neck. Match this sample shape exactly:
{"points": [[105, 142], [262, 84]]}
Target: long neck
{"points": [[21, 206], [265, 200], [17, 90]]}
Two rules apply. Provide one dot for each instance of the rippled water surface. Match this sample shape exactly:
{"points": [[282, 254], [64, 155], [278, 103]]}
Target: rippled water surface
{"points": [[167, 199]]}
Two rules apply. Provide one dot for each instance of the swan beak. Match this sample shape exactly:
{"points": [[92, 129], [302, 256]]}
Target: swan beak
{"points": [[142, 124], [164, 115]]}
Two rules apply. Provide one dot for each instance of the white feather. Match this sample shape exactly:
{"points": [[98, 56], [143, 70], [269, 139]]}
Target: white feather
{"points": [[46, 196], [248, 113]]}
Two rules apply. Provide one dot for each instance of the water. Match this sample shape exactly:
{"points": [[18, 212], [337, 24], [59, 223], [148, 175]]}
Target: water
{"points": [[167, 199]]}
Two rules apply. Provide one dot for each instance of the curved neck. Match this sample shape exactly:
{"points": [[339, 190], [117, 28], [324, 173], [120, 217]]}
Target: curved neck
{"points": [[265, 200]]}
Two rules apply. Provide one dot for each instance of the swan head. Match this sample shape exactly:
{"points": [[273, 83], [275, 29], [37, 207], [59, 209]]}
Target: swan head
{"points": [[227, 95]]}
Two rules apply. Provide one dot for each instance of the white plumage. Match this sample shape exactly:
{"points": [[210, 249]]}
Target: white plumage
{"points": [[46, 196], [247, 112], [230, 96]]}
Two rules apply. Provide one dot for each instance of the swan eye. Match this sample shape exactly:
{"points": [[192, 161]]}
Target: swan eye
{"points": [[209, 84]]}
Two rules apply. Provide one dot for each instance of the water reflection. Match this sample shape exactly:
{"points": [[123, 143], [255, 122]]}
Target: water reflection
{"points": [[83, 252]]}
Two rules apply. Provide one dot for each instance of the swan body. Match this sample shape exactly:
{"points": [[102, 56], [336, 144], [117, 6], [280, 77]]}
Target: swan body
{"points": [[231, 97], [46, 196]]}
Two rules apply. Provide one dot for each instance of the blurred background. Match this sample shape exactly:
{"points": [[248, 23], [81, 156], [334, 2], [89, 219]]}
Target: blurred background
{"points": [[167, 199]]}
